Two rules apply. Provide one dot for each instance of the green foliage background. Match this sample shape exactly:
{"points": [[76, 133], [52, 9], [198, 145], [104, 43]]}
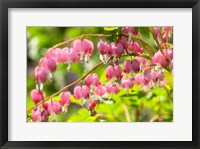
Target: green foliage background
{"points": [[142, 107]]}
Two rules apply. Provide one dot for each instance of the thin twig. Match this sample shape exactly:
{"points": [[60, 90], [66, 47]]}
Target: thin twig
{"points": [[80, 37]]}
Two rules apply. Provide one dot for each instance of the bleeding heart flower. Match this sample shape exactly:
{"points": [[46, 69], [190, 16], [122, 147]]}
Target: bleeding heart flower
{"points": [[36, 115], [40, 74], [92, 80], [56, 107], [135, 47], [131, 66], [81, 92], [44, 115], [116, 50], [159, 59], [48, 63], [37, 95], [156, 32], [130, 31], [85, 48], [113, 72], [127, 82], [123, 41], [65, 99], [168, 53], [112, 88], [100, 90], [139, 79], [147, 76], [154, 75]]}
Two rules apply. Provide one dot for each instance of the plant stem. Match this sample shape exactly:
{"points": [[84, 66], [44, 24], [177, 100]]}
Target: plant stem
{"points": [[167, 36], [128, 118], [154, 118], [160, 34], [136, 54], [82, 36]]}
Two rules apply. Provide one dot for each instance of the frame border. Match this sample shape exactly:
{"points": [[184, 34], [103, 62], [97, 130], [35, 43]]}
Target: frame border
{"points": [[6, 4]]}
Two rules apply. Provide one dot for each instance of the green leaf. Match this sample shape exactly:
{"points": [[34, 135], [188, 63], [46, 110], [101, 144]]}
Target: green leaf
{"points": [[93, 118], [110, 28], [144, 32], [81, 116]]}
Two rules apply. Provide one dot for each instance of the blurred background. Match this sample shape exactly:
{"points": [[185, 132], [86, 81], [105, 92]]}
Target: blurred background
{"points": [[142, 106]]}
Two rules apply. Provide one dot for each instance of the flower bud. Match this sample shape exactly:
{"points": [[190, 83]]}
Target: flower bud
{"points": [[92, 104]]}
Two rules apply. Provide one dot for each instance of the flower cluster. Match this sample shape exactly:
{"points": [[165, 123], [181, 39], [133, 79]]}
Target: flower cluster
{"points": [[163, 33], [125, 74]]}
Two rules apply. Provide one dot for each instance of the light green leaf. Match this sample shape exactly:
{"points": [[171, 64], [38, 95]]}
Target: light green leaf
{"points": [[110, 28]]}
